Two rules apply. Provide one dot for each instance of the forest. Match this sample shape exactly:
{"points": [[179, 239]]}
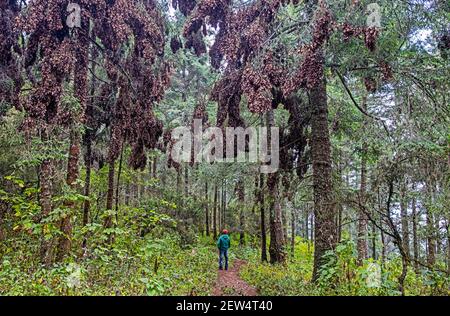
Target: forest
{"points": [[349, 96]]}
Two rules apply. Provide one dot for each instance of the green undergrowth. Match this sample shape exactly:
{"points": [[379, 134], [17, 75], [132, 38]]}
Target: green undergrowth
{"points": [[340, 276], [153, 267]]}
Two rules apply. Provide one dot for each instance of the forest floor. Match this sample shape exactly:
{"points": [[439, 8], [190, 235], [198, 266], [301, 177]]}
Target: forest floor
{"points": [[230, 283]]}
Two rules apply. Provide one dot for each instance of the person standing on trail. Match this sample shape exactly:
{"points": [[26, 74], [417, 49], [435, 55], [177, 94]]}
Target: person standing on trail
{"points": [[223, 243]]}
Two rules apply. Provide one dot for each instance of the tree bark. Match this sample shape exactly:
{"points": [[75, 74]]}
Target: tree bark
{"points": [[241, 198], [206, 210], [362, 218], [216, 195], [72, 176], [263, 219], [186, 181], [415, 239], [80, 91], [374, 242], [404, 218], [306, 231], [108, 223], [45, 199], [431, 249], [431, 242], [293, 232], [154, 168], [119, 173], [88, 138], [87, 182], [448, 247], [224, 205], [277, 241], [324, 209]]}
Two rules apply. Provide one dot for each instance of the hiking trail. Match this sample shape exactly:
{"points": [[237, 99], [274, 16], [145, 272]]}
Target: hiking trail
{"points": [[229, 283]]}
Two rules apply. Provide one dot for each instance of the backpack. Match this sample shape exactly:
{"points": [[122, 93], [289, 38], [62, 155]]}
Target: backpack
{"points": [[223, 242]]}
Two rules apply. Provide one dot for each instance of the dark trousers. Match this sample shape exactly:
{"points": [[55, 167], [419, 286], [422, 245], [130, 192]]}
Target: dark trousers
{"points": [[223, 253]]}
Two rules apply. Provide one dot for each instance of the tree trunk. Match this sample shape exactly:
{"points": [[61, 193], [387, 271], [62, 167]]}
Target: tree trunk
{"points": [[241, 198], [108, 223], [431, 243], [263, 219], [374, 241], [277, 241], [383, 248], [206, 210], [80, 91], [127, 194], [306, 233], [87, 182], [72, 176], [415, 240], [293, 232], [154, 169], [216, 195], [88, 138], [404, 219], [2, 229], [119, 173], [186, 181], [224, 205], [431, 253], [362, 219], [324, 210], [448, 247], [45, 199]]}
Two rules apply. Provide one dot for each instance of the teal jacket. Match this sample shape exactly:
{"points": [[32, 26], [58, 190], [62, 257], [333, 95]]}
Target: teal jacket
{"points": [[223, 243]]}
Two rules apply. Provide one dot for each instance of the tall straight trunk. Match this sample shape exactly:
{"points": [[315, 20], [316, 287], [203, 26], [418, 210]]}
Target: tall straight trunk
{"points": [[219, 208], [216, 195], [72, 176], [325, 231], [284, 220], [88, 138], [340, 204], [306, 234], [293, 232], [448, 247], [179, 188], [404, 218], [224, 205], [87, 181], [374, 242], [127, 194], [206, 209], [339, 222], [45, 200], [108, 223], [2, 229], [362, 217], [80, 90], [119, 173], [431, 242], [186, 181], [431, 245], [414, 232], [241, 198], [154, 168], [277, 241], [163, 175], [437, 238], [179, 181], [263, 219]]}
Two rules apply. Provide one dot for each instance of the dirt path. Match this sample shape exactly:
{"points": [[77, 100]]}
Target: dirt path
{"points": [[229, 283]]}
